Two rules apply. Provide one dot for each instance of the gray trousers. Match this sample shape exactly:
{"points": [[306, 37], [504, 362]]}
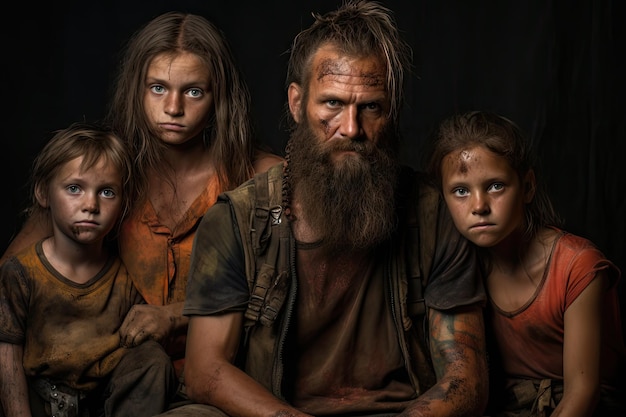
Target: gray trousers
{"points": [[142, 384]]}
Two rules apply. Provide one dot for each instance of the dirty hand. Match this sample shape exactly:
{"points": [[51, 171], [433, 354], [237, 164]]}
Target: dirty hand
{"points": [[144, 322]]}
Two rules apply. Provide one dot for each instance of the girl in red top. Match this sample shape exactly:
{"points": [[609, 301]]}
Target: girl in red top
{"points": [[554, 309]]}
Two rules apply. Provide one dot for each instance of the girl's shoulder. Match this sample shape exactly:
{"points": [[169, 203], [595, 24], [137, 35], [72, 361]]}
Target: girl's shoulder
{"points": [[572, 241], [580, 256]]}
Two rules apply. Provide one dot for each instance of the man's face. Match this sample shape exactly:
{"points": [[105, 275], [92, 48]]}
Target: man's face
{"points": [[345, 101], [341, 154]]}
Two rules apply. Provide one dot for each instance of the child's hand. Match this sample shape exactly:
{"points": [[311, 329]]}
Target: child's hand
{"points": [[144, 322]]}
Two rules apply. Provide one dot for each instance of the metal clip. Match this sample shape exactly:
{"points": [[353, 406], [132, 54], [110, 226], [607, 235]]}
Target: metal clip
{"points": [[275, 212]]}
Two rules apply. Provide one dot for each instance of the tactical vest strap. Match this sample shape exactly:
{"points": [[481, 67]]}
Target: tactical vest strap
{"points": [[270, 236], [258, 231]]}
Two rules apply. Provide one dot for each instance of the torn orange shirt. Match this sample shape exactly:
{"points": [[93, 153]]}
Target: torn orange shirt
{"points": [[157, 258]]}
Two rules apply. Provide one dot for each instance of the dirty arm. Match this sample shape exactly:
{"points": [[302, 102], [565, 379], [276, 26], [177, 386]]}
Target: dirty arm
{"points": [[457, 345], [581, 352], [211, 378], [13, 386]]}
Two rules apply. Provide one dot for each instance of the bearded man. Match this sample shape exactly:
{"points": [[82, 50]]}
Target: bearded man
{"points": [[331, 333]]}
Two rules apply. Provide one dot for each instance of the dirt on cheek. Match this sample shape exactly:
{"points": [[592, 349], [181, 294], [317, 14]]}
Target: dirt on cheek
{"points": [[76, 231], [325, 126]]}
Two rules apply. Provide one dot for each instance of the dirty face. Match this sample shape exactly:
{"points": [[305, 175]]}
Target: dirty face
{"points": [[341, 157], [84, 204], [178, 100], [485, 196], [345, 101]]}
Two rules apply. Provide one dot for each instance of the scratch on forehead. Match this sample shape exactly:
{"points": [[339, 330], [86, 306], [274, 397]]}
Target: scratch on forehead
{"points": [[462, 160], [333, 67]]}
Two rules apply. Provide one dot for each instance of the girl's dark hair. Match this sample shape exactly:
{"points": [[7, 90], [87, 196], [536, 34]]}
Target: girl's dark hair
{"points": [[229, 131], [505, 139]]}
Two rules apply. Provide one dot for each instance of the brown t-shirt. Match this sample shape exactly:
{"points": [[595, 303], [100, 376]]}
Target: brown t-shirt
{"points": [[347, 355], [69, 331], [346, 340]]}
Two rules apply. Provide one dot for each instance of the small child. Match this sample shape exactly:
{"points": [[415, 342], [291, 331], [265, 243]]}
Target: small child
{"points": [[63, 298], [554, 312]]}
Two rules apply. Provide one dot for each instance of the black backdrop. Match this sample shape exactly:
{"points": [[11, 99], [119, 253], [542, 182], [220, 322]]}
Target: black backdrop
{"points": [[555, 67]]}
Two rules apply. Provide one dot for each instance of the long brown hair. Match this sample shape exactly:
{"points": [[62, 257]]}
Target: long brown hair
{"points": [[229, 132]]}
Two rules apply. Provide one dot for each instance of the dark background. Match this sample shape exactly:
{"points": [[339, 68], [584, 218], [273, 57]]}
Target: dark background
{"points": [[554, 67]]}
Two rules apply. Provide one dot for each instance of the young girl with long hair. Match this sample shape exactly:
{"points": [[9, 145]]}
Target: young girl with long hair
{"points": [[554, 312]]}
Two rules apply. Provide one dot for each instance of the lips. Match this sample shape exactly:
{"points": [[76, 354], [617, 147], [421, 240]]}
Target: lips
{"points": [[171, 126], [481, 225], [86, 223]]}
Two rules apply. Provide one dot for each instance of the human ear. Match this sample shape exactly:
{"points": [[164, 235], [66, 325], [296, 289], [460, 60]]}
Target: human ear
{"points": [[530, 186], [41, 196], [294, 95]]}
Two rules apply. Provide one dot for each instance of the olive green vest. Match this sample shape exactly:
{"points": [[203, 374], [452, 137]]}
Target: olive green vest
{"points": [[269, 250]]}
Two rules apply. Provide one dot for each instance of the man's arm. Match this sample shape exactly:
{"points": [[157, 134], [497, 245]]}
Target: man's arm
{"points": [[457, 345], [13, 386], [211, 378]]}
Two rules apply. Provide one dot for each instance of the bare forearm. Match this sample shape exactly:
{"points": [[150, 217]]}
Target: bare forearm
{"points": [[581, 352], [459, 358], [452, 396], [175, 344], [179, 322], [236, 393], [13, 386], [580, 398]]}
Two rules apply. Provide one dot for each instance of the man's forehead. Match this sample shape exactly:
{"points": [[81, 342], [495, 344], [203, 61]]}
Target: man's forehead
{"points": [[331, 67], [329, 61]]}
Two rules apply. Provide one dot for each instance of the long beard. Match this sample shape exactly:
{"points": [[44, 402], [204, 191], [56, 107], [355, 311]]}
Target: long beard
{"points": [[350, 203]]}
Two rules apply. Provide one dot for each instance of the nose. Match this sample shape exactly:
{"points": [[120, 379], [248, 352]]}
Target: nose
{"points": [[173, 104], [90, 203], [349, 123], [480, 204]]}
